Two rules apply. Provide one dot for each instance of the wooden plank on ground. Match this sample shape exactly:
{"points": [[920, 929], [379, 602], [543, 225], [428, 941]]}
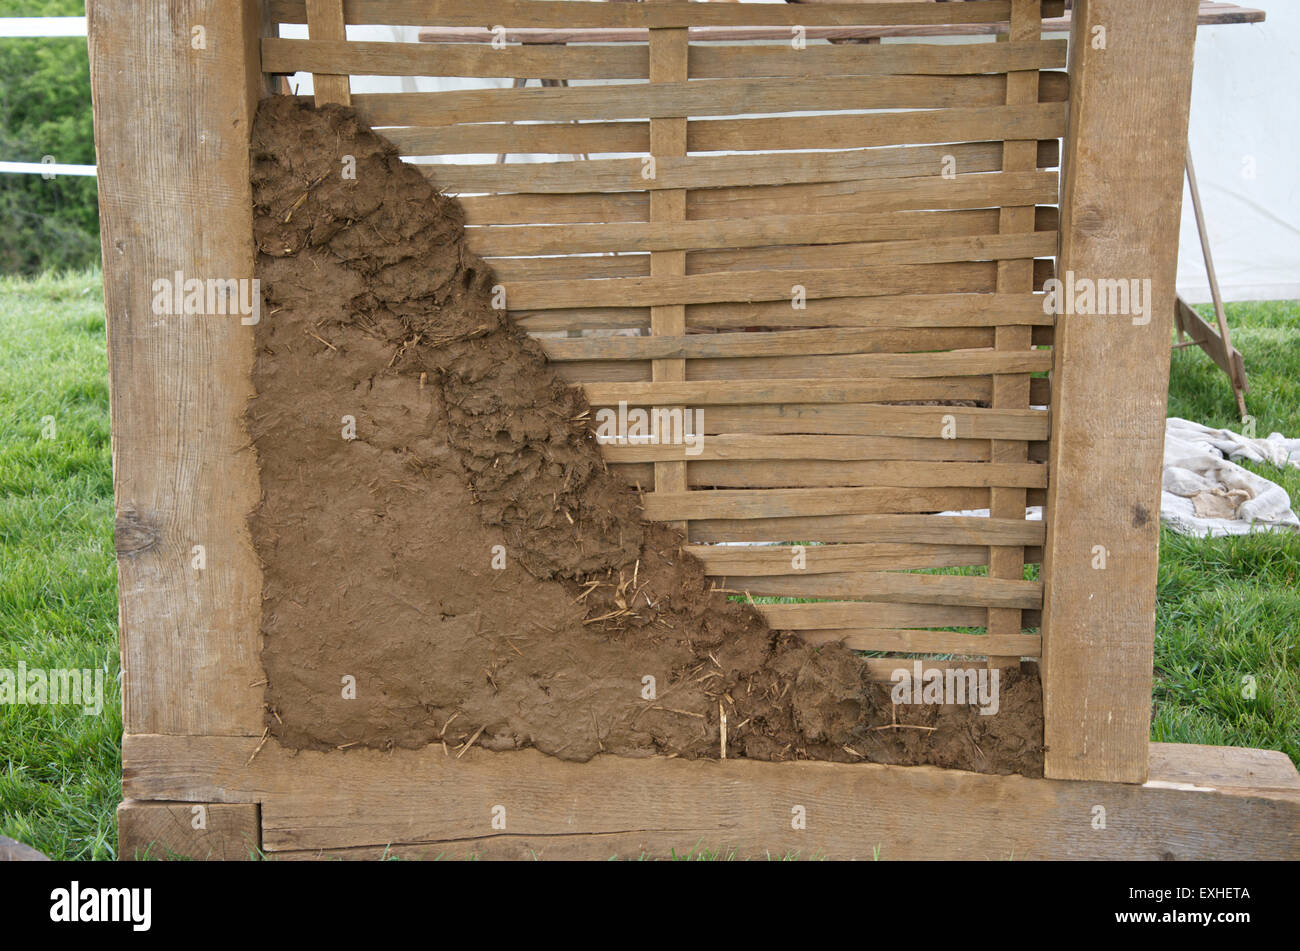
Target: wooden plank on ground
{"points": [[1120, 206], [182, 475], [368, 801]]}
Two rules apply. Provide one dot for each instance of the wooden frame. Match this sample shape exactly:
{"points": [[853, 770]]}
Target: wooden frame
{"points": [[171, 122]]}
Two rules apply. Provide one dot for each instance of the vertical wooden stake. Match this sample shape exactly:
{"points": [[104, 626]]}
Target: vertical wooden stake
{"points": [[325, 22], [668, 64], [1130, 84], [1011, 391]]}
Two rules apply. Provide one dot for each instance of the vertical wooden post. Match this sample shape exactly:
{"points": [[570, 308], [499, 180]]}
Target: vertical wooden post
{"points": [[174, 87], [1130, 84], [668, 64], [1011, 391], [325, 22]]}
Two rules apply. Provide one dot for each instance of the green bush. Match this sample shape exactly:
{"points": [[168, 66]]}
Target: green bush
{"points": [[45, 110]]}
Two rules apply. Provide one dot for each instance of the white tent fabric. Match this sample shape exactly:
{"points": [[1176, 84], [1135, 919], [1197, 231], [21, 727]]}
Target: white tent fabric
{"points": [[1244, 135]]}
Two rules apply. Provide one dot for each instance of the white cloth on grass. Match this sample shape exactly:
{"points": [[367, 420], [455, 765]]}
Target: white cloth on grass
{"points": [[1205, 492]]}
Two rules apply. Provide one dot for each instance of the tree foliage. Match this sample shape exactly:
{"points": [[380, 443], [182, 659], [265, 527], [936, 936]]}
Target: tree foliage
{"points": [[45, 110]]}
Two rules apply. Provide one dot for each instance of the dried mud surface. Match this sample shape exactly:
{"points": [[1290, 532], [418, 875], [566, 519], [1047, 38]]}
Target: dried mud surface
{"points": [[378, 550]]}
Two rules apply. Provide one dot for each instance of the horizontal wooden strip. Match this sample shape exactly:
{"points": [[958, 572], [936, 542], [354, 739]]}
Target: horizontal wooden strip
{"points": [[790, 229], [872, 419], [882, 670], [857, 614], [913, 310], [876, 529], [923, 192], [700, 288], [574, 14], [783, 475], [754, 393], [553, 209], [1044, 121], [751, 231], [530, 61], [874, 449], [874, 60], [576, 268], [930, 642], [761, 560], [694, 98], [791, 503], [849, 366], [542, 138], [963, 277], [869, 472], [774, 343], [920, 311], [722, 171], [895, 587], [868, 419], [782, 392]]}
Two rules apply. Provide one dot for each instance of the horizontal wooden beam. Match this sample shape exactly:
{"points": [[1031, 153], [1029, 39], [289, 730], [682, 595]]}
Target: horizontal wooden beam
{"points": [[1201, 803]]}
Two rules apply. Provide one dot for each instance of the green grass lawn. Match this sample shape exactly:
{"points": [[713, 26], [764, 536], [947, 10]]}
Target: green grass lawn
{"points": [[1229, 608], [60, 769]]}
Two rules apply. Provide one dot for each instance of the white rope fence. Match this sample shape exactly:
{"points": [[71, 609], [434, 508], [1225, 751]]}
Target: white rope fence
{"points": [[30, 27]]}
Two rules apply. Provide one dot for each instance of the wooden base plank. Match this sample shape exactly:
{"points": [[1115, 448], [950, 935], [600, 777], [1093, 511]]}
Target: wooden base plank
{"points": [[423, 803], [209, 831]]}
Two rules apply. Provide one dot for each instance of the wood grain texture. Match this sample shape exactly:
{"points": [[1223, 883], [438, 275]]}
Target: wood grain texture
{"points": [[182, 474], [722, 171], [430, 805], [570, 14], [284, 56], [325, 22], [668, 70], [216, 832], [695, 98], [1014, 276], [974, 124], [1121, 200]]}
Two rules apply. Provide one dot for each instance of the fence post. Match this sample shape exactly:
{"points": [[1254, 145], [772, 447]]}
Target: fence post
{"points": [[1121, 197]]}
